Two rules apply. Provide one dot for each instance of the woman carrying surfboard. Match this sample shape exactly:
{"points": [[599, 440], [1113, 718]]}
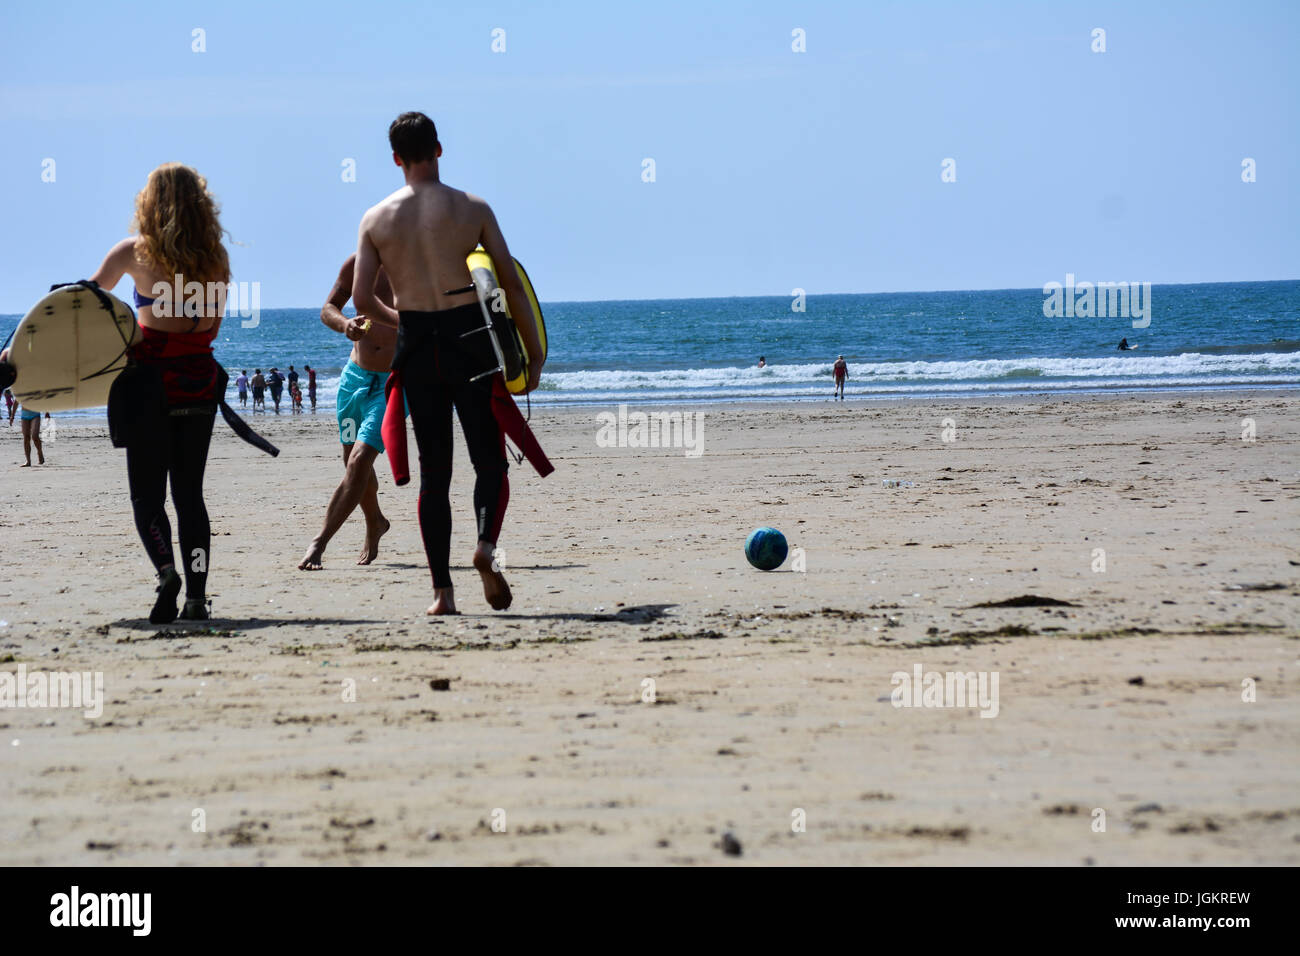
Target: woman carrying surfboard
{"points": [[169, 404]]}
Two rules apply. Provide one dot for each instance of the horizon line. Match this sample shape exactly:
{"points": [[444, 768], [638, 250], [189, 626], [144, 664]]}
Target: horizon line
{"points": [[713, 298]]}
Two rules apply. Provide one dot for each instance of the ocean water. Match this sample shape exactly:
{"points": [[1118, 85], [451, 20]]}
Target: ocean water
{"points": [[897, 345]]}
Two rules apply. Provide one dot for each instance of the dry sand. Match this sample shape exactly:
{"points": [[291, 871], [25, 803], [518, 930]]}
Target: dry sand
{"points": [[772, 691]]}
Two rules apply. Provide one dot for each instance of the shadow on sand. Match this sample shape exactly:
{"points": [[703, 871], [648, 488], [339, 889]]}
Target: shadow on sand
{"points": [[639, 614], [227, 626], [405, 566]]}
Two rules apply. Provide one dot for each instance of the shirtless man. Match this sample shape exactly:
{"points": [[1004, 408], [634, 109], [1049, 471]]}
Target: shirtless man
{"points": [[421, 235], [360, 406]]}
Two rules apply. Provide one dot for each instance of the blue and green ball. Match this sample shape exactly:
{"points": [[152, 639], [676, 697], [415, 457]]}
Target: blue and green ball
{"points": [[766, 548]]}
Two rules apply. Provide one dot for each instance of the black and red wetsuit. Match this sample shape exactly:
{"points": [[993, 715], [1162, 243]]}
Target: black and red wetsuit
{"points": [[438, 365], [177, 449]]}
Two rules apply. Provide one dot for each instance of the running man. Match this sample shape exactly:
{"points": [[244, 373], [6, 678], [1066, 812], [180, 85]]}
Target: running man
{"points": [[421, 235], [360, 406], [241, 383], [841, 371]]}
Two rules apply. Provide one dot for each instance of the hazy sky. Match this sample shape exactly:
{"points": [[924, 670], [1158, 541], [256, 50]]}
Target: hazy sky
{"points": [[773, 169]]}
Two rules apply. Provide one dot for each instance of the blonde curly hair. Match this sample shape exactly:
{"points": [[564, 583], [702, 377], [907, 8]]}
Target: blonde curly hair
{"points": [[179, 226]]}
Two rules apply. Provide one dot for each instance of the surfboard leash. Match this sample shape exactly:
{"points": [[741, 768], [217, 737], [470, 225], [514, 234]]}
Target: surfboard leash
{"points": [[106, 304]]}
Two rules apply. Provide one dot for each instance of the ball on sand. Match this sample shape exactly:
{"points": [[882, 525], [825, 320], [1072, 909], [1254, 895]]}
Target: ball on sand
{"points": [[766, 548]]}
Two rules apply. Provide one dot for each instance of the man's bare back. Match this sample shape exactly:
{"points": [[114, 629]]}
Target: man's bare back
{"points": [[422, 234]]}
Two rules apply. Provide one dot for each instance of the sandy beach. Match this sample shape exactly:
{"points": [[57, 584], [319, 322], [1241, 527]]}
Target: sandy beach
{"points": [[770, 703]]}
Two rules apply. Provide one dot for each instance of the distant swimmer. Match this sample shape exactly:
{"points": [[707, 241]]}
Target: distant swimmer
{"points": [[360, 405], [762, 362], [1125, 347], [841, 371], [421, 236]]}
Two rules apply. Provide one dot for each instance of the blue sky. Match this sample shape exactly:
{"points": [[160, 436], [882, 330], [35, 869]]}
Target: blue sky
{"points": [[774, 169]]}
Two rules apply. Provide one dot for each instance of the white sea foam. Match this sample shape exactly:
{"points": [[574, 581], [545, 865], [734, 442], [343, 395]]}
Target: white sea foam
{"points": [[1102, 371], [883, 379]]}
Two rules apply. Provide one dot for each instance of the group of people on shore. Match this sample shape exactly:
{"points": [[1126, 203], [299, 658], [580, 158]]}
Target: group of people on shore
{"points": [[418, 343], [274, 382]]}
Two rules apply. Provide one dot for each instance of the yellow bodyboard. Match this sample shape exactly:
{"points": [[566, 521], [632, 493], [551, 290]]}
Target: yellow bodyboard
{"points": [[484, 273]]}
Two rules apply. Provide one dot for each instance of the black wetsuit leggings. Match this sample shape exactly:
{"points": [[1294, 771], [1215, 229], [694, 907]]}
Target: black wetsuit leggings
{"points": [[436, 363], [178, 450]]}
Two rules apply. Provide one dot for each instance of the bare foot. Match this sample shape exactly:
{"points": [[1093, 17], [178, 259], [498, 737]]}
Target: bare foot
{"points": [[444, 602], [495, 589], [371, 549], [28, 465], [314, 559]]}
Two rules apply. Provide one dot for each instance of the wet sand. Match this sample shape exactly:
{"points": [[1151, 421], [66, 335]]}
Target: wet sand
{"points": [[771, 696]]}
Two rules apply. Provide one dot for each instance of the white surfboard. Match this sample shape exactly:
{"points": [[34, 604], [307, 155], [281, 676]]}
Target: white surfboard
{"points": [[68, 349]]}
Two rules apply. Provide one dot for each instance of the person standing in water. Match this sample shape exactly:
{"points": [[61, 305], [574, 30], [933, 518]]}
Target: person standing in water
{"points": [[311, 385], [361, 406], [421, 236], [841, 372], [275, 382], [259, 390], [178, 241], [241, 383]]}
